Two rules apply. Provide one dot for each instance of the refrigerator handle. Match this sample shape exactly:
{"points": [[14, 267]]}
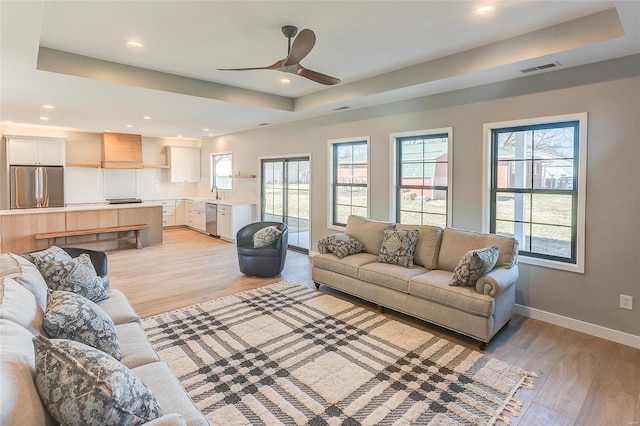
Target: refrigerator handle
{"points": [[17, 187], [44, 192]]}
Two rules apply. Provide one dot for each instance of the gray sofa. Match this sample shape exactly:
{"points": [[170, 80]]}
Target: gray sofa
{"points": [[23, 301], [424, 291]]}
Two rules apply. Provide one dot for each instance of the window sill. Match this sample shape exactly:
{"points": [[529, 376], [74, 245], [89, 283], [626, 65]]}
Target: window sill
{"points": [[551, 264]]}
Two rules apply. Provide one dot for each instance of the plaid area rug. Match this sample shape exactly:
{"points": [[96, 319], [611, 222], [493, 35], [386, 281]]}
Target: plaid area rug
{"points": [[287, 354]]}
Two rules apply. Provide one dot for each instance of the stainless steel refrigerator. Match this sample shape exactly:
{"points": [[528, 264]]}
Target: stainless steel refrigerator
{"points": [[34, 187]]}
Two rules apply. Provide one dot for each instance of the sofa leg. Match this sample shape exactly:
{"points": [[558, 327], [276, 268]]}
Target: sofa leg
{"points": [[317, 285], [482, 345], [381, 309]]}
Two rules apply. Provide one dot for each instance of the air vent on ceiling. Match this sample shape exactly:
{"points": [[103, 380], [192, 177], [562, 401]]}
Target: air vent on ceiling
{"points": [[540, 67], [341, 108]]}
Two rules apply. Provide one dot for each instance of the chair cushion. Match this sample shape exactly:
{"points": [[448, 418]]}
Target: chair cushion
{"points": [[346, 266], [473, 265], [76, 275], [368, 232], [265, 236], [398, 247], [81, 385], [71, 316], [389, 275], [428, 245], [434, 286]]}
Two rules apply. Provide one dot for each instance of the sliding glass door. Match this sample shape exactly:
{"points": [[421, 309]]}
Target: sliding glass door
{"points": [[285, 197]]}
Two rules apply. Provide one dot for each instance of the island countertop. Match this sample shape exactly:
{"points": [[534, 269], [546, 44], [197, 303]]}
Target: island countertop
{"points": [[76, 208]]}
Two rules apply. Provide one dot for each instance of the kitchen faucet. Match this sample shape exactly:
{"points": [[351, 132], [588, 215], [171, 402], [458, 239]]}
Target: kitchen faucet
{"points": [[216, 188]]}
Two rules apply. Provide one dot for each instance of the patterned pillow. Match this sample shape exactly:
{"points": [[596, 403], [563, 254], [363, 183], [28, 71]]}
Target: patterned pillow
{"points": [[71, 316], [473, 265], [341, 245], [265, 236], [76, 275], [398, 247], [52, 254], [81, 385]]}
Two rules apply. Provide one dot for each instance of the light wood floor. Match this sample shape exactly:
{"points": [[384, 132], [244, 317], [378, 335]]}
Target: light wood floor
{"points": [[583, 380]]}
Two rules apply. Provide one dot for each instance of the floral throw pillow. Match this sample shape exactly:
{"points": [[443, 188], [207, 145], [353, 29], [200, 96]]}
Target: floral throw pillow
{"points": [[76, 275], [473, 265], [341, 245], [265, 236], [52, 254], [71, 316], [81, 385], [398, 247]]}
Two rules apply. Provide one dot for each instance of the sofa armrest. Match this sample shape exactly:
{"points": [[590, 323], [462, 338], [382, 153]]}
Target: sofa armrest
{"points": [[497, 281], [171, 419]]}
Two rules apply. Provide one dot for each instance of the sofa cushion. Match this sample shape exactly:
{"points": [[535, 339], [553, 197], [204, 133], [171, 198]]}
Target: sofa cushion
{"points": [[158, 377], [52, 254], [81, 385], [456, 243], [346, 266], [118, 308], [31, 278], [473, 265], [71, 316], [389, 275], [341, 245], [434, 286], [21, 404], [265, 236], [135, 347], [368, 232], [76, 275], [398, 247], [19, 305], [428, 245]]}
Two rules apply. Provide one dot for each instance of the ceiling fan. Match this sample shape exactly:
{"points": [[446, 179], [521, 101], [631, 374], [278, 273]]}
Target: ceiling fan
{"points": [[301, 47]]}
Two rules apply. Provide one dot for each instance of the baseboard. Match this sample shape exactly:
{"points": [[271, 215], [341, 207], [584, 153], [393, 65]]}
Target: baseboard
{"points": [[581, 326]]}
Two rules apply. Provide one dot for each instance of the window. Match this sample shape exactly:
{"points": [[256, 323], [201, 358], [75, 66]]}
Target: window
{"points": [[221, 171], [349, 176], [537, 178], [423, 176]]}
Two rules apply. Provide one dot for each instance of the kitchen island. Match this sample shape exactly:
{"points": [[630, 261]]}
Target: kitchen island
{"points": [[18, 228]]}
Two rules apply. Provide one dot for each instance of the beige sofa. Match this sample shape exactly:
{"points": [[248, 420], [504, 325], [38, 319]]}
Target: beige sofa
{"points": [[423, 291], [22, 303]]}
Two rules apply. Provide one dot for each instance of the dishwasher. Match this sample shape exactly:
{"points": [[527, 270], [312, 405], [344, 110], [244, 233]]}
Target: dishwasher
{"points": [[211, 214]]}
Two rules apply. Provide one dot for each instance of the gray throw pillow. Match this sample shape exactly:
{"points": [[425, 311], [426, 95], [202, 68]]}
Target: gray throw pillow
{"points": [[81, 385], [71, 316], [76, 275], [398, 247], [52, 254], [341, 245], [265, 236], [473, 265]]}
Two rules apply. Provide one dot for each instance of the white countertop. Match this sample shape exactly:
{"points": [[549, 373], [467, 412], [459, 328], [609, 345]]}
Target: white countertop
{"points": [[77, 208]]}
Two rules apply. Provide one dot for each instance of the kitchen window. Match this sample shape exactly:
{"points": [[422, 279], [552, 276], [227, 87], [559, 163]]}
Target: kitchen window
{"points": [[221, 171], [536, 188], [349, 180]]}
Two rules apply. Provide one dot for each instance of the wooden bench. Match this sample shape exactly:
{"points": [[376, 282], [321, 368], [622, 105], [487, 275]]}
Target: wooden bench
{"points": [[51, 236]]}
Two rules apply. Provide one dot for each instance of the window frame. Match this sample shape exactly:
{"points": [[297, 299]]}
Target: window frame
{"points": [[332, 176], [394, 189], [212, 171], [578, 227]]}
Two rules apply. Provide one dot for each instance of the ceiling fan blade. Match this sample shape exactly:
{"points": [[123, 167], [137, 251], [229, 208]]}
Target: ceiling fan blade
{"points": [[317, 76], [302, 45], [275, 66]]}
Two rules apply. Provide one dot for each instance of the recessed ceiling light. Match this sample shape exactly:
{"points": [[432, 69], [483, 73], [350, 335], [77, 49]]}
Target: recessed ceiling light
{"points": [[210, 134], [285, 80], [483, 10], [43, 118], [48, 106], [146, 117], [205, 130], [106, 130], [129, 125], [134, 44], [179, 136]]}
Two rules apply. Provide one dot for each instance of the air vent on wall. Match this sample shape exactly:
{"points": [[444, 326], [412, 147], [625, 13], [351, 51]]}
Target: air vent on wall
{"points": [[540, 67], [342, 108]]}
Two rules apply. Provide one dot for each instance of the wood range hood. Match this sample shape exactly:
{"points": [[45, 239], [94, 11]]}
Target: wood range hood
{"points": [[121, 151]]}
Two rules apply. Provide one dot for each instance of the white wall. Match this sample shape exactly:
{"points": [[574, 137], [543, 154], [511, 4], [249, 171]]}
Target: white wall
{"points": [[609, 92]]}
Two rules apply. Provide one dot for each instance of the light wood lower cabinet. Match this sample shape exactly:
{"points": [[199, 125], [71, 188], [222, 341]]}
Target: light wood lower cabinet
{"points": [[18, 230]]}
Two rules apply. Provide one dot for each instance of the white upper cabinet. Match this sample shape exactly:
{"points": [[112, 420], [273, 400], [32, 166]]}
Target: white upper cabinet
{"points": [[39, 152], [184, 163]]}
